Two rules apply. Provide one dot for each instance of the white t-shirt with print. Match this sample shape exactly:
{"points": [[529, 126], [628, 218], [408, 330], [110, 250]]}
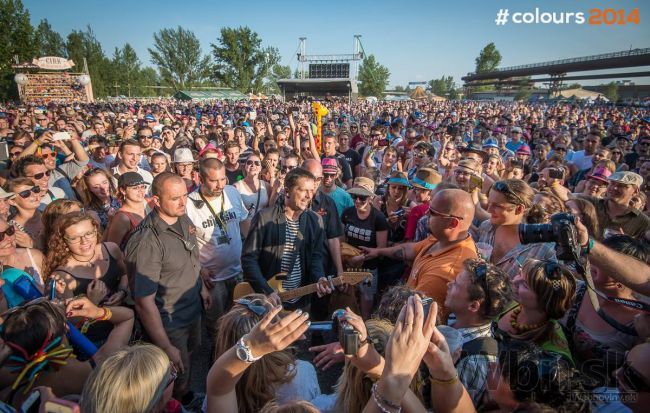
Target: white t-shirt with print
{"points": [[222, 259]]}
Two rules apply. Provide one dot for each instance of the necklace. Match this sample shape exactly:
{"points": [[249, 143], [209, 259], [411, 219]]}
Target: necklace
{"points": [[523, 328], [86, 261]]}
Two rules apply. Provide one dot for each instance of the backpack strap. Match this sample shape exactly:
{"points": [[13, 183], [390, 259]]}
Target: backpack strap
{"points": [[486, 346]]}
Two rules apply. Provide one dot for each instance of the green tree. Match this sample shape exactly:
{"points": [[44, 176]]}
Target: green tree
{"points": [[488, 59], [445, 86], [611, 92], [400, 88], [178, 56], [373, 77], [240, 60], [277, 72], [296, 74], [16, 39], [149, 77], [48, 42], [126, 66], [82, 45]]}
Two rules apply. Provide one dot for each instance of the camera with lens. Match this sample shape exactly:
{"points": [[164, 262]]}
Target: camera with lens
{"points": [[561, 231], [348, 336]]}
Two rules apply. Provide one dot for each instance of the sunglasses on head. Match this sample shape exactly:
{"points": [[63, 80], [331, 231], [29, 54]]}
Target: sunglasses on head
{"points": [[11, 230], [92, 171], [504, 188], [480, 272], [27, 192], [553, 271], [40, 175], [258, 309], [435, 213], [361, 198], [256, 163]]}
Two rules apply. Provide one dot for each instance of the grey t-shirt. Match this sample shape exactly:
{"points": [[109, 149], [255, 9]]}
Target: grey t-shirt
{"points": [[63, 174], [158, 262]]}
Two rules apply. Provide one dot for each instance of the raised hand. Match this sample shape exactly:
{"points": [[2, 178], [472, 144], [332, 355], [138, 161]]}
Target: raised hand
{"points": [[268, 336]]}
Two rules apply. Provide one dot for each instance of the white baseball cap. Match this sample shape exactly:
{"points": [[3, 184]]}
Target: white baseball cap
{"points": [[183, 155]]}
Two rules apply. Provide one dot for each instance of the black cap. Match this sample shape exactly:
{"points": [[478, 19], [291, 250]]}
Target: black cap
{"points": [[130, 179]]}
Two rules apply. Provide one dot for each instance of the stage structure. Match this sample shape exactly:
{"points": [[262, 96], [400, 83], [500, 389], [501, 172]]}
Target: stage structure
{"points": [[50, 79], [324, 76]]}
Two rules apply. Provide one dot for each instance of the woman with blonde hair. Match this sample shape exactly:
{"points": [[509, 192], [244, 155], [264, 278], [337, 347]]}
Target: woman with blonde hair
{"points": [[136, 379]]}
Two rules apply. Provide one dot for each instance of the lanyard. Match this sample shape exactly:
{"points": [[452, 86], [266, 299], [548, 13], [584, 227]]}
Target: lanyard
{"points": [[220, 223]]}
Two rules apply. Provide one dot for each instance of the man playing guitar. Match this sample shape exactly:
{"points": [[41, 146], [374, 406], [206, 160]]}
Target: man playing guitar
{"points": [[287, 238]]}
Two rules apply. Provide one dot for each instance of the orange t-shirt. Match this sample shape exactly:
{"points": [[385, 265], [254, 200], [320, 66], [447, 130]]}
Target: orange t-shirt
{"points": [[433, 270]]}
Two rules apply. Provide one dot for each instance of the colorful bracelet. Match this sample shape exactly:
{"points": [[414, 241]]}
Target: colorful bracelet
{"points": [[384, 405], [108, 314], [587, 249]]}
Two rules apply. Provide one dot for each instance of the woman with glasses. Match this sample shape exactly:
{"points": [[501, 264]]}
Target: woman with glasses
{"points": [[253, 365], [598, 347], [138, 379], [365, 226], [24, 213], [254, 191], [131, 192], [41, 354], [98, 194], [82, 264], [544, 291], [618, 157], [509, 202]]}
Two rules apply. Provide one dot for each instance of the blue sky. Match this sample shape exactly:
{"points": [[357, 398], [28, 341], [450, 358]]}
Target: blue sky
{"points": [[416, 40]]}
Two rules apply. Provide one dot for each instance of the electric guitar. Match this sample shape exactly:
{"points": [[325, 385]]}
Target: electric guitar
{"points": [[349, 277]]}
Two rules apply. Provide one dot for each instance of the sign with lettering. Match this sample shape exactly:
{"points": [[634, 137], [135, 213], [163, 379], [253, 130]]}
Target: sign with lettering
{"points": [[53, 63]]}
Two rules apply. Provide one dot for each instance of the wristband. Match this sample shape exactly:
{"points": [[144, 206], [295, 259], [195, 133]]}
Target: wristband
{"points": [[447, 382], [106, 316], [384, 405]]}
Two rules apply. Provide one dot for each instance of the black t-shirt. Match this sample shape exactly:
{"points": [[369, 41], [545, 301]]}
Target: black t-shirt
{"points": [[363, 233], [352, 157], [234, 176]]}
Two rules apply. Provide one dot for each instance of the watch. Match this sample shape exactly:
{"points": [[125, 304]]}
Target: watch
{"points": [[244, 352]]}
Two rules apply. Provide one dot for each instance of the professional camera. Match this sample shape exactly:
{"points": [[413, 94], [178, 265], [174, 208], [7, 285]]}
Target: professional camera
{"points": [[348, 336], [561, 231]]}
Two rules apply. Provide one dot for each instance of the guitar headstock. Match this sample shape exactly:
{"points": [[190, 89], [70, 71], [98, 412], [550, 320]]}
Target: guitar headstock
{"points": [[355, 276]]}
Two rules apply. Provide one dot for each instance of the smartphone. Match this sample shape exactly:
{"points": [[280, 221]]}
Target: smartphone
{"points": [[475, 182], [32, 403], [61, 406], [61, 136], [426, 305], [4, 151]]}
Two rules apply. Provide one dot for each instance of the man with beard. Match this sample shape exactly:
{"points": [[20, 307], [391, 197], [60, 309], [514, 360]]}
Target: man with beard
{"points": [[287, 237], [220, 217], [614, 212]]}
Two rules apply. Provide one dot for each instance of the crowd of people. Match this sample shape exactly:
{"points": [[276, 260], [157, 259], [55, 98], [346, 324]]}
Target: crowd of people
{"points": [[410, 256]]}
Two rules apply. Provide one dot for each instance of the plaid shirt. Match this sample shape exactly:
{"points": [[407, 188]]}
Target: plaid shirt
{"points": [[473, 370], [515, 258]]}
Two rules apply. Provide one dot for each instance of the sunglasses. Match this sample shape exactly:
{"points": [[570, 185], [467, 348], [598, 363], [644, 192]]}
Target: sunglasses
{"points": [[361, 198], [504, 188], [48, 155], [173, 375], [14, 154], [258, 309], [480, 272], [41, 175], [23, 306], [553, 271], [435, 213], [256, 163], [11, 230], [288, 168], [27, 192], [145, 136]]}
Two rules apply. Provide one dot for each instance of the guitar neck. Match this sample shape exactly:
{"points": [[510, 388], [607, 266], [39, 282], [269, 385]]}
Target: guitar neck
{"points": [[307, 289]]}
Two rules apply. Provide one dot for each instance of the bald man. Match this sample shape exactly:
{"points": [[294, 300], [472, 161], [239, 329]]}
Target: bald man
{"points": [[438, 259], [324, 206], [162, 261]]}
